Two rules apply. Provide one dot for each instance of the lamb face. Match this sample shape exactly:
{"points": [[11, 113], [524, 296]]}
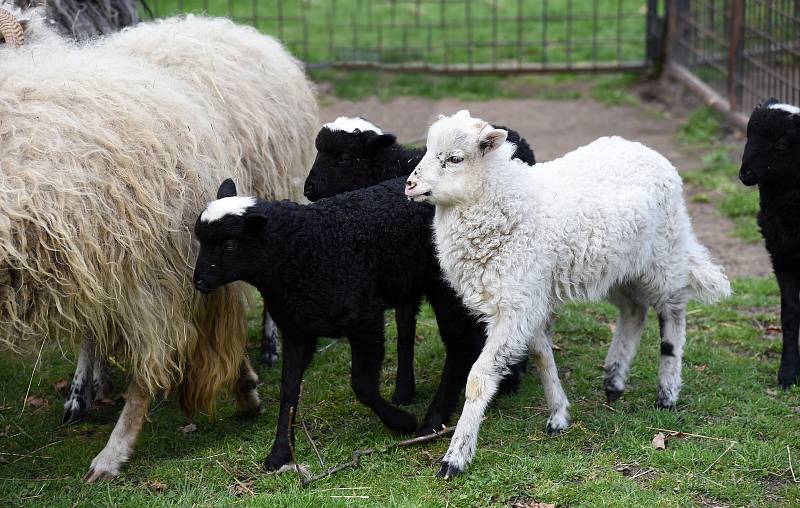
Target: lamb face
{"points": [[453, 166], [229, 245], [772, 152], [346, 150]]}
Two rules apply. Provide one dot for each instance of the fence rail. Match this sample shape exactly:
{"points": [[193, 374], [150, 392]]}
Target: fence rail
{"points": [[448, 35], [737, 53]]}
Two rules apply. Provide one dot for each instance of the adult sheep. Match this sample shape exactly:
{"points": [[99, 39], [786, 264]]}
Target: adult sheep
{"points": [[606, 220], [104, 161]]}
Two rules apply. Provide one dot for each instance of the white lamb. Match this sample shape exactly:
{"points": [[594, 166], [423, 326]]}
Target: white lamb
{"points": [[607, 220]]}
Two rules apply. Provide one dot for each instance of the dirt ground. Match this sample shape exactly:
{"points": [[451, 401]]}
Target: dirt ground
{"points": [[556, 127]]}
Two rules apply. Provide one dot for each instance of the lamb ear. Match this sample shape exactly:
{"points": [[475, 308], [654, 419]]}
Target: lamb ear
{"points": [[255, 220], [770, 102], [464, 113], [492, 140], [380, 141], [226, 189], [442, 116]]}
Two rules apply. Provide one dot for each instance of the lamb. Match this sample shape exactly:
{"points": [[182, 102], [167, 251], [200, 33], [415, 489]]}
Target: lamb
{"points": [[104, 161], [331, 269], [606, 220], [354, 153], [771, 160]]}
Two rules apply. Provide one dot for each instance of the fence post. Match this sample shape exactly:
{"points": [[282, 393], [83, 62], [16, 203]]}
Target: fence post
{"points": [[677, 30], [654, 34], [736, 54]]}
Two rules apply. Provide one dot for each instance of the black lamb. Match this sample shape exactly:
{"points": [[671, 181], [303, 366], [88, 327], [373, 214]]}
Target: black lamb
{"points": [[771, 160], [354, 153], [331, 269]]}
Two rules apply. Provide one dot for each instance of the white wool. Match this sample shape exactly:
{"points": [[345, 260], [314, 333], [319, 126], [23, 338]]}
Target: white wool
{"points": [[794, 110], [233, 205], [350, 124], [606, 220]]}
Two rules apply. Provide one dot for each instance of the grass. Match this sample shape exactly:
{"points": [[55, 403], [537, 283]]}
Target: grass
{"points": [[718, 176], [729, 393]]}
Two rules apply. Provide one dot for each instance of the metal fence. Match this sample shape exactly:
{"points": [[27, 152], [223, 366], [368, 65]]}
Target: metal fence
{"points": [[737, 53], [449, 35]]}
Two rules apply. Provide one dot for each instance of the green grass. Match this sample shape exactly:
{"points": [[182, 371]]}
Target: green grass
{"points": [[718, 176], [729, 393]]}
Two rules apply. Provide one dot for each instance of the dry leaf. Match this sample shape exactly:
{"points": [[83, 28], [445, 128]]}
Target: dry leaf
{"points": [[188, 428], [156, 486], [35, 401], [700, 368], [556, 347], [241, 488], [774, 329], [772, 392], [61, 387], [660, 441], [419, 338], [529, 502], [104, 402]]}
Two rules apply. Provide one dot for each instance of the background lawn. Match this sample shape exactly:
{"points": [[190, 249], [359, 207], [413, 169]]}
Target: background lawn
{"points": [[605, 458]]}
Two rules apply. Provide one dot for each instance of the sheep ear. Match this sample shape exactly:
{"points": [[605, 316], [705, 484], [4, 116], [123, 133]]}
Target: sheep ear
{"points": [[770, 102], [226, 189], [464, 113], [441, 116], [255, 220], [492, 140], [381, 141]]}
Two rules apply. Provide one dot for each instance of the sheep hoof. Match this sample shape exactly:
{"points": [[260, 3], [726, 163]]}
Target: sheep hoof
{"points": [[613, 394], [275, 460], [77, 405], [448, 470], [554, 430], [404, 423], [269, 358], [787, 377], [665, 404]]}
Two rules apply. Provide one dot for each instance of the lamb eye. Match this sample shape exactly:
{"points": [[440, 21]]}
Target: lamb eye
{"points": [[230, 245], [455, 159]]}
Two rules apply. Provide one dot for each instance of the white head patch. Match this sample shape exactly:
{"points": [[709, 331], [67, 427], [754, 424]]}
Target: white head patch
{"points": [[350, 124], [233, 205], [792, 110]]}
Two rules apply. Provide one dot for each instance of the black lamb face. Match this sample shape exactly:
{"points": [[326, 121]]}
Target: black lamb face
{"points": [[229, 241], [772, 152], [344, 161]]}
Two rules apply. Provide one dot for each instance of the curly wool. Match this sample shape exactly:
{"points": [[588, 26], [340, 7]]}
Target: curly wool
{"points": [[105, 160]]}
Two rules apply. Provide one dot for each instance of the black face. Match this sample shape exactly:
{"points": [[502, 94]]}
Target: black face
{"points": [[230, 248], [772, 151], [345, 161]]}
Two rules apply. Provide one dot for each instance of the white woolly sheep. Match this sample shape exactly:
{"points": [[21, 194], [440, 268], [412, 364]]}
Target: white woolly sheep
{"points": [[104, 161], [606, 220]]}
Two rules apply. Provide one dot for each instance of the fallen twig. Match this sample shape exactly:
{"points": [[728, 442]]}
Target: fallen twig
{"points": [[676, 433], [358, 454], [313, 444], [30, 382], [242, 485], [30, 454], [791, 468], [733, 443]]}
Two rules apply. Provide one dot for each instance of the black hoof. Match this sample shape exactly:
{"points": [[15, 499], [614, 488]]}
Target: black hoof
{"points": [[403, 422], [277, 459], [665, 405], [448, 470], [553, 431], [269, 359], [75, 410], [787, 378], [613, 394]]}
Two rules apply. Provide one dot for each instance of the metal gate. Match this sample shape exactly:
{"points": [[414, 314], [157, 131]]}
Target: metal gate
{"points": [[450, 36]]}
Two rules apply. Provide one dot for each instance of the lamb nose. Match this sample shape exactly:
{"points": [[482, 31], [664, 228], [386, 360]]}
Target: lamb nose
{"points": [[410, 184]]}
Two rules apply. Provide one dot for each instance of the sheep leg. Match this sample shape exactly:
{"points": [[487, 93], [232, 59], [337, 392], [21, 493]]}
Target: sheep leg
{"points": [[406, 319], [120, 445], [542, 348], [297, 354], [247, 400], [269, 340], [504, 344], [625, 342], [672, 324], [789, 284], [101, 379], [367, 358], [79, 401]]}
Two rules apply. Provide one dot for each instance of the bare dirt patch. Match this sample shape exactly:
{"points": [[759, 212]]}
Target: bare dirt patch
{"points": [[556, 127]]}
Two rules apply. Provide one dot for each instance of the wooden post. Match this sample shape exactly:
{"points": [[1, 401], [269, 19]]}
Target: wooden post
{"points": [[736, 54]]}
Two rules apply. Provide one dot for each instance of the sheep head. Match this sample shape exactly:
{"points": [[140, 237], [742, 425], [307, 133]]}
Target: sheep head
{"points": [[229, 247], [347, 152], [772, 152], [460, 149]]}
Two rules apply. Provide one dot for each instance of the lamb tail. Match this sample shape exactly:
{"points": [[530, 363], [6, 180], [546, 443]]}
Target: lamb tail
{"points": [[706, 279]]}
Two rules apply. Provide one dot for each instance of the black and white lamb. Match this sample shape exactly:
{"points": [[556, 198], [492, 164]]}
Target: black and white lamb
{"points": [[354, 153], [771, 160], [331, 269]]}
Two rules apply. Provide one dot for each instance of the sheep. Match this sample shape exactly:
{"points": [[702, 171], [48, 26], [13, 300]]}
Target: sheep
{"points": [[771, 160], [330, 269], [104, 161], [353, 153], [606, 220]]}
